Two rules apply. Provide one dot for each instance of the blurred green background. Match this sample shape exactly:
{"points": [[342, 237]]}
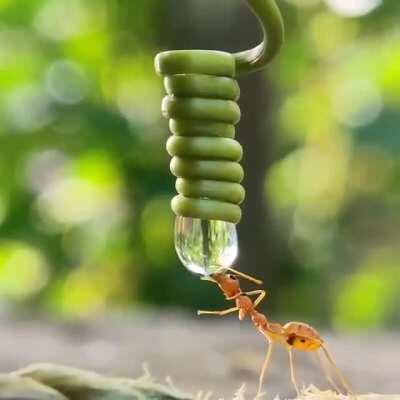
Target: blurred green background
{"points": [[85, 223]]}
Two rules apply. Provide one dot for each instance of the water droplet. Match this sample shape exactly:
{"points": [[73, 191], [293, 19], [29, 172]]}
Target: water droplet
{"points": [[205, 247]]}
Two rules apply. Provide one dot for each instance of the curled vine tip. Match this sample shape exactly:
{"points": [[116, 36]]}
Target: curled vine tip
{"points": [[271, 21]]}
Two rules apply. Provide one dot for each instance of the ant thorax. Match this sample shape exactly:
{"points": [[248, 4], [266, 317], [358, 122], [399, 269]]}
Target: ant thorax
{"points": [[245, 306]]}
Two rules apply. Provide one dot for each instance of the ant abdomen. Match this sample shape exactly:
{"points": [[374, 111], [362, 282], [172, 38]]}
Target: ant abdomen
{"points": [[302, 336]]}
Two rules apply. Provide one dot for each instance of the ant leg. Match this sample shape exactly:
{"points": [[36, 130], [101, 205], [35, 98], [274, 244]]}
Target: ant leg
{"points": [[245, 276], [220, 313], [259, 299], [264, 367], [326, 371], [292, 373], [338, 372]]}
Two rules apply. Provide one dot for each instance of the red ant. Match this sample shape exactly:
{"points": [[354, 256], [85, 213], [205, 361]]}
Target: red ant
{"points": [[293, 335]]}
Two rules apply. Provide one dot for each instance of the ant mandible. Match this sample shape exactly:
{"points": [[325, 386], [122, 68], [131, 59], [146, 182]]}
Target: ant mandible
{"points": [[293, 335]]}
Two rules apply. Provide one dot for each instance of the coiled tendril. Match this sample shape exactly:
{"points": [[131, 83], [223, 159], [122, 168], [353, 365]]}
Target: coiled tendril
{"points": [[201, 106]]}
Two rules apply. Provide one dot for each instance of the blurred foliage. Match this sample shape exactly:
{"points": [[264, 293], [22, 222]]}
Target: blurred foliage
{"points": [[85, 222]]}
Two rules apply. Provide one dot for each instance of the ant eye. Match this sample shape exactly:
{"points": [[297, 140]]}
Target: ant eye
{"points": [[233, 277]]}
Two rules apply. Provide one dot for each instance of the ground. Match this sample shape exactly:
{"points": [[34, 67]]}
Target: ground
{"points": [[209, 354]]}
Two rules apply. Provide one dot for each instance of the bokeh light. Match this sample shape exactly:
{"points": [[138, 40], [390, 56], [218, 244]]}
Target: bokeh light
{"points": [[20, 260], [372, 294], [353, 8], [89, 190], [66, 82]]}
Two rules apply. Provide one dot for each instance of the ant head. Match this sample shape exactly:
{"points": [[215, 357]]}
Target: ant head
{"points": [[229, 283], [224, 278]]}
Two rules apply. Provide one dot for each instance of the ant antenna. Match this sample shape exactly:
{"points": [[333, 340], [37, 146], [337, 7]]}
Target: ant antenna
{"points": [[248, 277], [207, 278]]}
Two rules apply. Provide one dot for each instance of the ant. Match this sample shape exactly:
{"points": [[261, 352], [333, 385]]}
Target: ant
{"points": [[293, 335]]}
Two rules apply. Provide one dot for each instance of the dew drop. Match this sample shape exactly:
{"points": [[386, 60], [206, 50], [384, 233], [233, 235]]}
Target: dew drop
{"points": [[205, 247]]}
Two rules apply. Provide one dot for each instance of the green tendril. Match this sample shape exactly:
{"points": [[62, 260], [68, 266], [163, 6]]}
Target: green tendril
{"points": [[202, 111], [200, 104], [271, 22]]}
